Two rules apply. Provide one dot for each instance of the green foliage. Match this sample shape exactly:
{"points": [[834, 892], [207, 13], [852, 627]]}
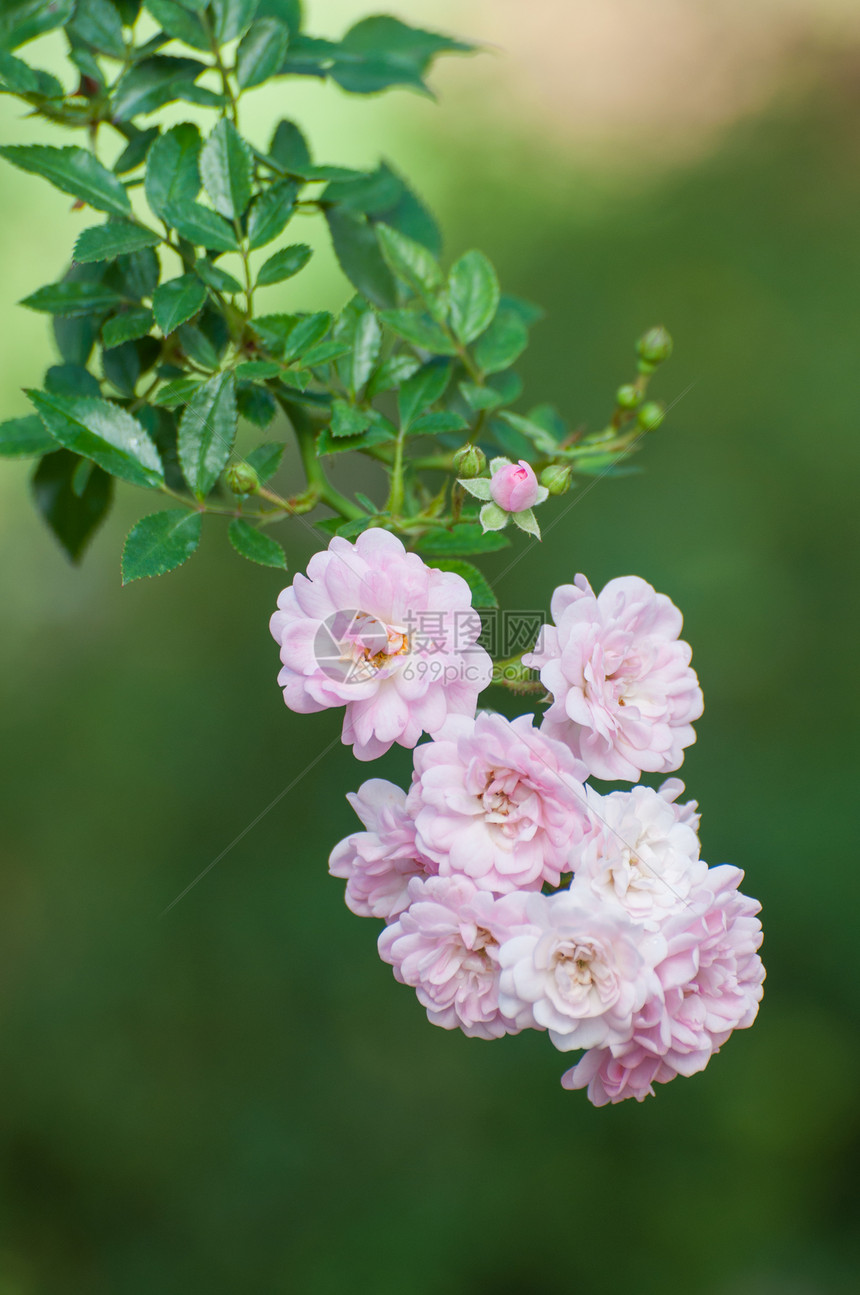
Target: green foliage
{"points": [[166, 358]]}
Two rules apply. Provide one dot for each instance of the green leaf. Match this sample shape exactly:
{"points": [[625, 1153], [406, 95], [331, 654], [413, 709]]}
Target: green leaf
{"points": [[284, 264], [358, 329], [124, 364], [17, 76], [152, 83], [357, 249], [176, 20], [97, 23], [376, 435], [139, 144], [21, 438], [547, 417], [226, 167], [436, 424], [273, 330], [75, 335], [289, 148], [482, 594], [348, 421], [255, 546], [136, 275], [117, 237], [160, 542], [73, 298], [410, 261], [266, 459], [74, 171], [257, 369], [71, 380], [207, 432], [289, 12], [460, 541], [216, 278], [232, 17], [396, 369], [419, 392], [172, 170], [23, 20], [309, 330], [255, 403], [270, 212], [323, 354], [72, 515], [473, 290], [373, 192], [175, 393], [479, 398], [502, 343], [177, 300], [103, 432], [261, 52], [421, 332], [541, 439], [202, 227]]}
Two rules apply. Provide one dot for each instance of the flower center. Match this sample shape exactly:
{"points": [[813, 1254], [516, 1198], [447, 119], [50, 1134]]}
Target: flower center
{"points": [[370, 645]]}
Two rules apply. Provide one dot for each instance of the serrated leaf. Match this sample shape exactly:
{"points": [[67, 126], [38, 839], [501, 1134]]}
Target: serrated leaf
{"points": [[116, 238], [76, 334], [358, 253], [410, 261], [160, 543], [502, 343], [71, 380], [482, 594], [261, 52], [135, 275], [215, 277], [323, 354], [308, 332], [73, 517], [207, 432], [175, 393], [257, 369], [226, 167], [172, 170], [22, 438], [424, 389], [284, 264], [16, 75], [255, 403], [460, 541], [266, 459], [178, 22], [232, 17], [177, 300], [202, 227], [103, 432], [348, 421], [289, 148], [81, 298], [539, 437], [124, 364], [97, 23], [395, 370], [270, 212], [480, 398], [24, 20], [255, 546], [436, 424], [473, 292], [152, 83], [358, 329], [139, 144], [375, 435], [74, 171], [421, 332]]}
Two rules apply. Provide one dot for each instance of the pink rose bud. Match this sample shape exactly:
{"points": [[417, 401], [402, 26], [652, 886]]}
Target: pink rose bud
{"points": [[514, 487]]}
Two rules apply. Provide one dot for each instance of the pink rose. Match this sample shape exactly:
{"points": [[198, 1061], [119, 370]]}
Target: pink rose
{"points": [[624, 693], [378, 864], [446, 946], [372, 628], [514, 487]]}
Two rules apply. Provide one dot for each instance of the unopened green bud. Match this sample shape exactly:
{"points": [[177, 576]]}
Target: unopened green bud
{"points": [[242, 479], [628, 396], [651, 416], [556, 478], [655, 346], [470, 461]]}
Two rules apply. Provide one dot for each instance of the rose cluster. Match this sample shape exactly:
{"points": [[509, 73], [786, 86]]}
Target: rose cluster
{"points": [[515, 895]]}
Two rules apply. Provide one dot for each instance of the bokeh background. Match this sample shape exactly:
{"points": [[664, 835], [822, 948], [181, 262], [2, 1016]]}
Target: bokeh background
{"points": [[236, 1096]]}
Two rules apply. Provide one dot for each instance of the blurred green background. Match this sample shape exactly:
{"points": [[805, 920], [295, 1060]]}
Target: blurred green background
{"points": [[237, 1097]]}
